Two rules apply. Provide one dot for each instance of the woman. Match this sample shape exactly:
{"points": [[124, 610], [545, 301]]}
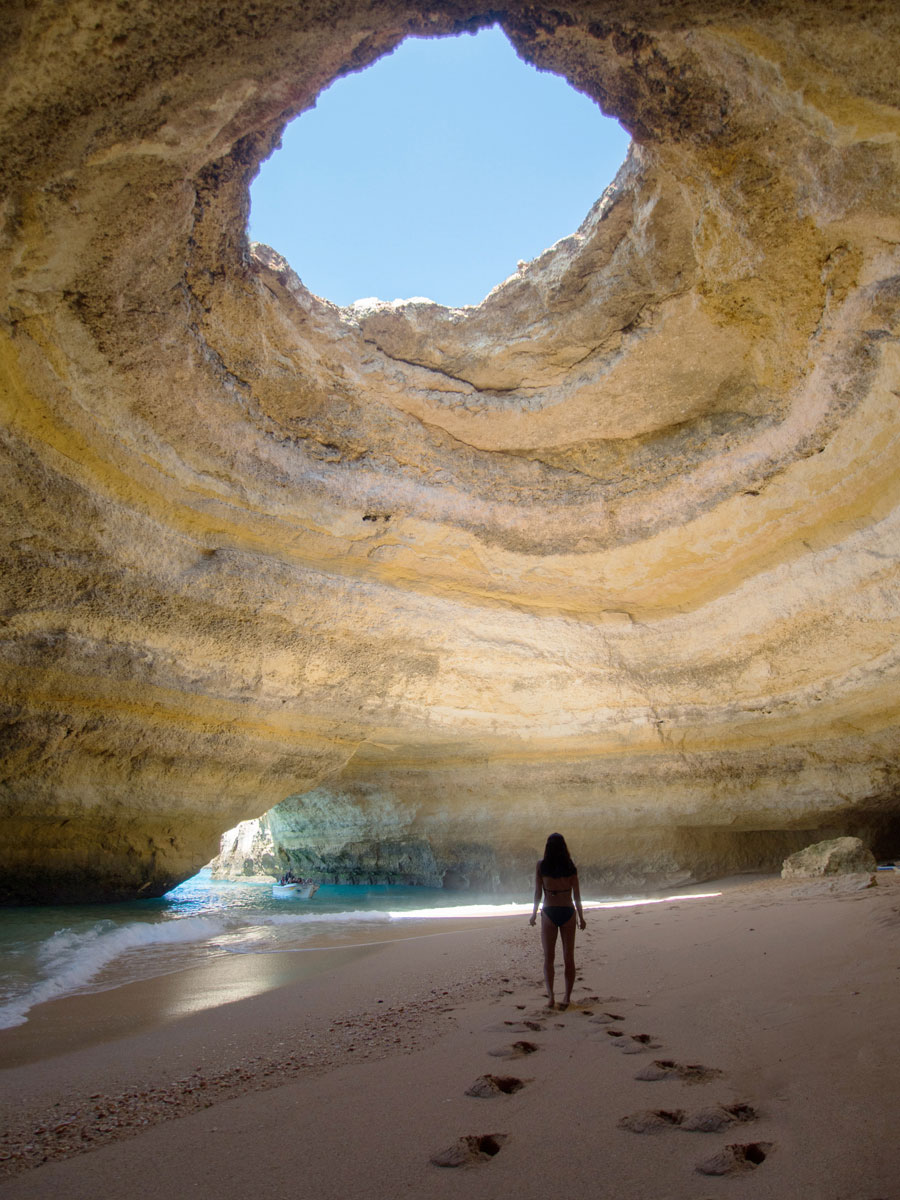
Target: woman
{"points": [[556, 879]]}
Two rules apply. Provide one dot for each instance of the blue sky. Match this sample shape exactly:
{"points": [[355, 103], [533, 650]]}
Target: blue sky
{"points": [[432, 172]]}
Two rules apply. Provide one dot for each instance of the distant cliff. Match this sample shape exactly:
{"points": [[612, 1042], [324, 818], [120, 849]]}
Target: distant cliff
{"points": [[247, 852]]}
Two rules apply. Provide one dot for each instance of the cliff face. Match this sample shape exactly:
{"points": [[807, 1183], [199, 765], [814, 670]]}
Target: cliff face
{"points": [[613, 552]]}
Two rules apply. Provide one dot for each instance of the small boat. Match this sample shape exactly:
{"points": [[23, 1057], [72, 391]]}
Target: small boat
{"points": [[299, 889]]}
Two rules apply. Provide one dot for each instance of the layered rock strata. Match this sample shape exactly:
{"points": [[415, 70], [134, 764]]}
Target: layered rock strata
{"points": [[614, 552]]}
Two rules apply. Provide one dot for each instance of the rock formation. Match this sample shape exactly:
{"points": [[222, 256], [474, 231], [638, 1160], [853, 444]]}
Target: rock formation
{"points": [[247, 852], [837, 856], [614, 552]]}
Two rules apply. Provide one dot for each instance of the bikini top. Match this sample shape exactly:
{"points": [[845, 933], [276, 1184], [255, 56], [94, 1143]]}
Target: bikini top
{"points": [[556, 891]]}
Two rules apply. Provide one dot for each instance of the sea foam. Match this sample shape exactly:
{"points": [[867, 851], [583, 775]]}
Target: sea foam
{"points": [[69, 960], [85, 959], [72, 961]]}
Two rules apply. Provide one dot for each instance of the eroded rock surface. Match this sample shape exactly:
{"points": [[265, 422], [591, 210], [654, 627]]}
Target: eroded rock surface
{"points": [[248, 852], [614, 552], [837, 856]]}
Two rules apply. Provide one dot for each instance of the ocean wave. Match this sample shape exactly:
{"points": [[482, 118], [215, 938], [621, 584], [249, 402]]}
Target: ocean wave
{"points": [[463, 911], [349, 917], [69, 959], [74, 960], [357, 916]]}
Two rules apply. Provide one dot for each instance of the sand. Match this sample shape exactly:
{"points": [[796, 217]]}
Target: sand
{"points": [[773, 1009]]}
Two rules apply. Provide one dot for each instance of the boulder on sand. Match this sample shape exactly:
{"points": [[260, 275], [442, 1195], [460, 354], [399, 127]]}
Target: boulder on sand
{"points": [[838, 856]]}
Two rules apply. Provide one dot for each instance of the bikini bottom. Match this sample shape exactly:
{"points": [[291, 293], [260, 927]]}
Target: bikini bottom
{"points": [[559, 914]]}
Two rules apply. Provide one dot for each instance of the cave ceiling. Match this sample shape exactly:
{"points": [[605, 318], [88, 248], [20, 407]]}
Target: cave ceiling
{"points": [[614, 551]]}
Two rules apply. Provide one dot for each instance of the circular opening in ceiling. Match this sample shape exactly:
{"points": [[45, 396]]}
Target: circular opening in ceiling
{"points": [[433, 173]]}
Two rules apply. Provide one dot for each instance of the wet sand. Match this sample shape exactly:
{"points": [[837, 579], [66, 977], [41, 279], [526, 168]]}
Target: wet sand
{"points": [[767, 1016]]}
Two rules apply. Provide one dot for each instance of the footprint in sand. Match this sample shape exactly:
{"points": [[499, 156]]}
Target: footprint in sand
{"points": [[523, 1026], [736, 1159], [706, 1120], [651, 1120], [471, 1150], [606, 1018], [718, 1117], [637, 1043], [516, 1050], [688, 1073], [486, 1086]]}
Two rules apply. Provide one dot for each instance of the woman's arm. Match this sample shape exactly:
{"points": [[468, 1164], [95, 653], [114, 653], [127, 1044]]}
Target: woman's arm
{"points": [[538, 892], [576, 895]]}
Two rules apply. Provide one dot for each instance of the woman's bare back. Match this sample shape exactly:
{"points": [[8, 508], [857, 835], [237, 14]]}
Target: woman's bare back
{"points": [[558, 892]]}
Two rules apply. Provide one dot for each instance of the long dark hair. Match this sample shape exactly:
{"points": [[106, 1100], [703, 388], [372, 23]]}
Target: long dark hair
{"points": [[557, 862]]}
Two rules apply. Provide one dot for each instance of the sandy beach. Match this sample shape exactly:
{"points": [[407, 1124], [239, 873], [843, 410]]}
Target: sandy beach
{"points": [[751, 1034]]}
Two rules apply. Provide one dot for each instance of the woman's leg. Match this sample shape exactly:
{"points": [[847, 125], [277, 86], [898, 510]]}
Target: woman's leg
{"points": [[567, 934], [548, 941]]}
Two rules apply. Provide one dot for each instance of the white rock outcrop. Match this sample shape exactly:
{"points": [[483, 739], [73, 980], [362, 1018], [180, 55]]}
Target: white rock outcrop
{"points": [[837, 856]]}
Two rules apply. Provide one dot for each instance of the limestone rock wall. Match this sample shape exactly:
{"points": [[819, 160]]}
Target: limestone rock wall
{"points": [[614, 551], [248, 852]]}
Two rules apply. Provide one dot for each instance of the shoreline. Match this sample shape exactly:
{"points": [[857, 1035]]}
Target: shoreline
{"points": [[788, 992], [166, 1068], [75, 1022], [242, 974], [85, 1020]]}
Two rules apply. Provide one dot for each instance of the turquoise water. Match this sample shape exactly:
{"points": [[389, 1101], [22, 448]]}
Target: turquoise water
{"points": [[49, 952]]}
